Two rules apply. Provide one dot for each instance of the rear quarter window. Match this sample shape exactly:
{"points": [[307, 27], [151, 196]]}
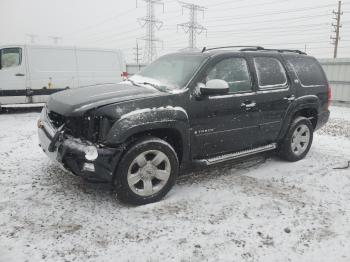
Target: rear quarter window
{"points": [[308, 71]]}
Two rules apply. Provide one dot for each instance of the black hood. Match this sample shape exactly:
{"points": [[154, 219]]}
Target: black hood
{"points": [[75, 102]]}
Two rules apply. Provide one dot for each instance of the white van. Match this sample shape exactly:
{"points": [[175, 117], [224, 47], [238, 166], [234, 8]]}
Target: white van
{"points": [[29, 73]]}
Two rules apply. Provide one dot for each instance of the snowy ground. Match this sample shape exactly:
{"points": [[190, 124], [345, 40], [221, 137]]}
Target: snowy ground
{"points": [[256, 211]]}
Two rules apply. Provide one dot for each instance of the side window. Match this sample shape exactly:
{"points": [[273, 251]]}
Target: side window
{"points": [[308, 71], [234, 71], [271, 74], [10, 57]]}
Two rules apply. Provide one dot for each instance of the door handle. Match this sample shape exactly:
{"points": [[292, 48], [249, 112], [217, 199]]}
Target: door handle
{"points": [[248, 105], [19, 74], [289, 98]]}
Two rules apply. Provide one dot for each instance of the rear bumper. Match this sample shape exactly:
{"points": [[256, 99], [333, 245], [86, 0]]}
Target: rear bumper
{"points": [[322, 119], [72, 152]]}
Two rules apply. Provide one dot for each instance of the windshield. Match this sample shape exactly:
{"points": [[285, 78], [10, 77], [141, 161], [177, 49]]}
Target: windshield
{"points": [[173, 71]]}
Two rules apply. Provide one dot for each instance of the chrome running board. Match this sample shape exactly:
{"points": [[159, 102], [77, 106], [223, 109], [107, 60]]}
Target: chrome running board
{"points": [[231, 156]]}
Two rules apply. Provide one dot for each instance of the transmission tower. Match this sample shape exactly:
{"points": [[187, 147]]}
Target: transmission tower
{"points": [[152, 24], [32, 38], [137, 51], [336, 27], [192, 28], [55, 39]]}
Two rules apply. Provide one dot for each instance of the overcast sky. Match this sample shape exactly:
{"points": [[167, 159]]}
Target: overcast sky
{"points": [[113, 23]]}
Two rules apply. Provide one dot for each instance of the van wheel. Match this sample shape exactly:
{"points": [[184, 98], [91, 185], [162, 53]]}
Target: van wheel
{"points": [[298, 140], [146, 172]]}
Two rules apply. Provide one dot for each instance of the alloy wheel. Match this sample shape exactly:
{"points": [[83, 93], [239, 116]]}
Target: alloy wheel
{"points": [[300, 139], [148, 173]]}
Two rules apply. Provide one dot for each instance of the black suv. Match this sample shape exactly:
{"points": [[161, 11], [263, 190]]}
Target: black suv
{"points": [[185, 109]]}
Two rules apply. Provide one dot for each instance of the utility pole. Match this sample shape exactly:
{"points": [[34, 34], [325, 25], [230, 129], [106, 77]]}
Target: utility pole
{"points": [[137, 53], [151, 24], [336, 27], [192, 27], [32, 38], [55, 39]]}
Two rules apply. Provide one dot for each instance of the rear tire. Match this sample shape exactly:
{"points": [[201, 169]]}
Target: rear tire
{"points": [[147, 171], [297, 142]]}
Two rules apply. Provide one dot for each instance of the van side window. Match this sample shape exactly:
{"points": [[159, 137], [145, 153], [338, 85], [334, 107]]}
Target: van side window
{"points": [[10, 57], [270, 72], [235, 72], [308, 71]]}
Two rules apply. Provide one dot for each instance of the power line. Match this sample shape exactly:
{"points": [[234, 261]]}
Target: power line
{"points": [[298, 18], [271, 13], [117, 16], [263, 30], [250, 5], [116, 35], [192, 28], [336, 26], [225, 2], [151, 24]]}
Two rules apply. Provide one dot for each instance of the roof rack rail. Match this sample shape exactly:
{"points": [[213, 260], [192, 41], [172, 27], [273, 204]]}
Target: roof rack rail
{"points": [[288, 50], [233, 46], [277, 50]]}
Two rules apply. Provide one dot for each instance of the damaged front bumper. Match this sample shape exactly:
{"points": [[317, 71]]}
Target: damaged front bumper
{"points": [[82, 158]]}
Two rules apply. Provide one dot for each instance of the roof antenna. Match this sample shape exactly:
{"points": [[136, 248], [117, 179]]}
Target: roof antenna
{"points": [[203, 50]]}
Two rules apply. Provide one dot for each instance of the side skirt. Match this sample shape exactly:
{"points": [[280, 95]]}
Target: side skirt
{"points": [[236, 155]]}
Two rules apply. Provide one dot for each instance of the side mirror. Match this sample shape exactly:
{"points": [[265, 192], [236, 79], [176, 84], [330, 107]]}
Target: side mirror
{"points": [[214, 87]]}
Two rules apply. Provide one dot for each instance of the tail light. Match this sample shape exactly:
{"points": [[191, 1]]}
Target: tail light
{"points": [[329, 96], [124, 75]]}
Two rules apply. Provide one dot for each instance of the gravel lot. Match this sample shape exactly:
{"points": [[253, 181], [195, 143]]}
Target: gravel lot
{"points": [[255, 211]]}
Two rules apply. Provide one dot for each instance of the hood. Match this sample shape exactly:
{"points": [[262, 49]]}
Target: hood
{"points": [[75, 102]]}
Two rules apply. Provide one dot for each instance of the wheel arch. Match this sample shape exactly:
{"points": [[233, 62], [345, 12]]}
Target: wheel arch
{"points": [[170, 124], [307, 106]]}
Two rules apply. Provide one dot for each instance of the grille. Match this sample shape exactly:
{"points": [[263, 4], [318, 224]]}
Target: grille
{"points": [[56, 119], [79, 127]]}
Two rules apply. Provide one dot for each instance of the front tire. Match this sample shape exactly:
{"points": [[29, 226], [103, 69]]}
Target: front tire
{"points": [[298, 140], [147, 171]]}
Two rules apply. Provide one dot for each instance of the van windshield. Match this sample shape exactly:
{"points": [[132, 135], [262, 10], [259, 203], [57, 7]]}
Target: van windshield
{"points": [[174, 71], [10, 57]]}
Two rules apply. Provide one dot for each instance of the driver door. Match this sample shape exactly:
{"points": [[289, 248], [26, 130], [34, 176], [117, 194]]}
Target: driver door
{"points": [[225, 123], [12, 76]]}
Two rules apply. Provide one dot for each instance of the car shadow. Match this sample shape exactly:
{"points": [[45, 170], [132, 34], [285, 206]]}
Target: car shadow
{"points": [[63, 181]]}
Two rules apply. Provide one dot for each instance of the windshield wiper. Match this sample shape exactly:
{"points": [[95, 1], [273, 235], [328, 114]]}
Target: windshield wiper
{"points": [[133, 82], [159, 88], [151, 84]]}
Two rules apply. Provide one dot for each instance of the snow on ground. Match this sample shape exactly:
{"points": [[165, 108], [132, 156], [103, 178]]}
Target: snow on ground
{"points": [[254, 211]]}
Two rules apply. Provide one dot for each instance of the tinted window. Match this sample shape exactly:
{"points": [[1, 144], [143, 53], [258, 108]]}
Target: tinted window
{"points": [[234, 71], [10, 57], [308, 70], [270, 72]]}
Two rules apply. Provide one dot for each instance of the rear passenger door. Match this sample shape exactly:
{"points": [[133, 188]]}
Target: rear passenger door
{"points": [[274, 94]]}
